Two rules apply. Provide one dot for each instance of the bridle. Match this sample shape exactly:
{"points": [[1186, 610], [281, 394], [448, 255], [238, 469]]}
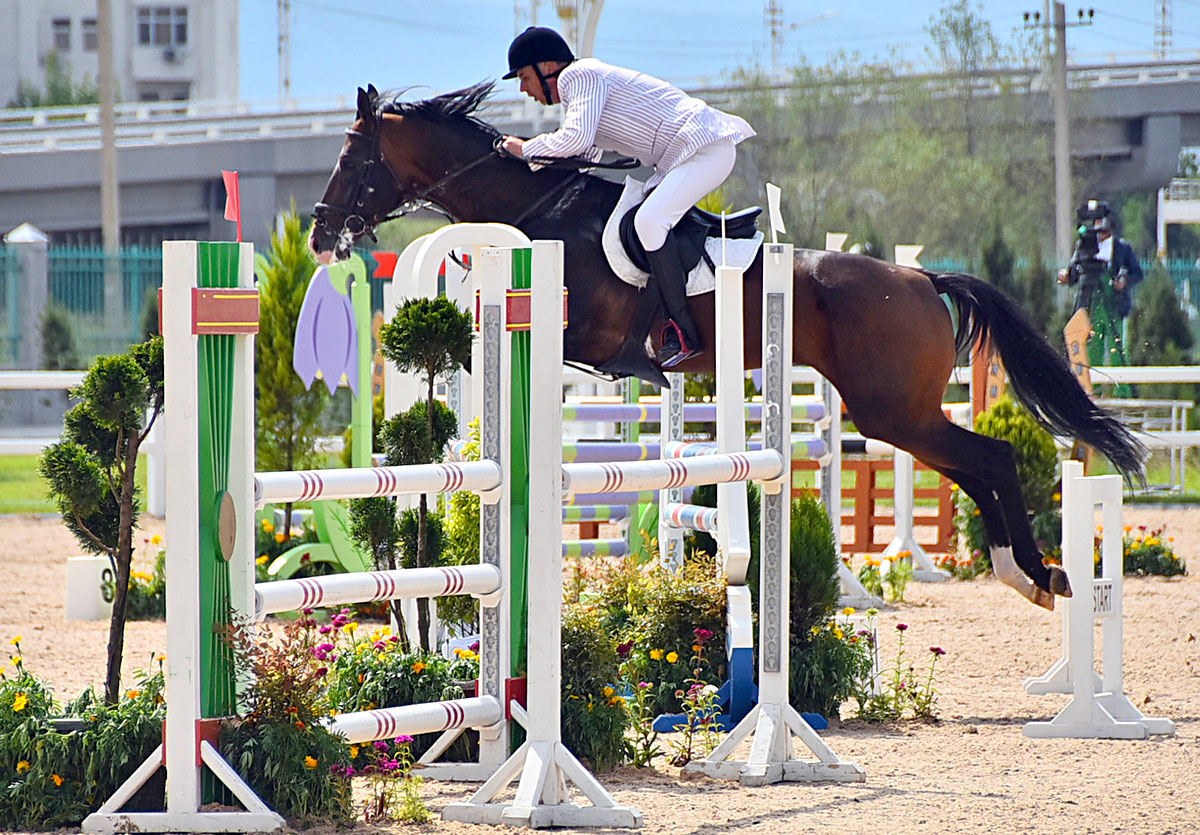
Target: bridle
{"points": [[356, 222]]}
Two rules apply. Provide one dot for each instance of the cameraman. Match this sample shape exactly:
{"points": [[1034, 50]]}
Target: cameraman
{"points": [[1098, 251]]}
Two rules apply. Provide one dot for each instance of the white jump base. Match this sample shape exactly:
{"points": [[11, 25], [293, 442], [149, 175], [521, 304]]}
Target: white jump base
{"points": [[1098, 708]]}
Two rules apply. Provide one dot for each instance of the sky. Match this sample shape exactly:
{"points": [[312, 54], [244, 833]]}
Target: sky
{"points": [[339, 45]]}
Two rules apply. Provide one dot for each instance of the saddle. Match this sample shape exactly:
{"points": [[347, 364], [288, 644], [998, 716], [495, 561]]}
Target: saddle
{"points": [[691, 231]]}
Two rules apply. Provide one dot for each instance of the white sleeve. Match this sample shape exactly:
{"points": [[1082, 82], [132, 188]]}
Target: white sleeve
{"points": [[583, 94]]}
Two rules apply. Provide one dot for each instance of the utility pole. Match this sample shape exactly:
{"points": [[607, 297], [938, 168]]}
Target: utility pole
{"points": [[773, 20], [1063, 226], [284, 10], [1163, 29], [110, 211], [1063, 209]]}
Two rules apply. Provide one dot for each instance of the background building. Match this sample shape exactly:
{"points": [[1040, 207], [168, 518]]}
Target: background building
{"points": [[162, 51]]}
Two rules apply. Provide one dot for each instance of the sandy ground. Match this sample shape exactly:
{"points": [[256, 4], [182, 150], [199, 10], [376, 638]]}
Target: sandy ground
{"points": [[970, 772]]}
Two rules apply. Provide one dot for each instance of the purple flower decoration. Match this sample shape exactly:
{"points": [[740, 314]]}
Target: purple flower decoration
{"points": [[403, 739], [326, 333], [937, 650], [902, 626], [380, 745], [623, 649]]}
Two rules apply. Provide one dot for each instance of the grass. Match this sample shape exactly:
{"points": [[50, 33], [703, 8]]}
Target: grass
{"points": [[22, 490]]}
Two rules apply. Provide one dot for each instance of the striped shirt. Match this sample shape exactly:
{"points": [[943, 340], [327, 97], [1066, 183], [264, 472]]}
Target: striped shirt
{"points": [[607, 108]]}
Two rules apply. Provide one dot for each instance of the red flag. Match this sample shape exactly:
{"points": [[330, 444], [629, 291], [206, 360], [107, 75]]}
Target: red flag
{"points": [[233, 203]]}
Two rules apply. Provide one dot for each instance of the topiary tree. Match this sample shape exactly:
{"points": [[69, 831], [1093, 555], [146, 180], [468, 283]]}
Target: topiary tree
{"points": [[91, 470], [287, 419], [430, 337]]}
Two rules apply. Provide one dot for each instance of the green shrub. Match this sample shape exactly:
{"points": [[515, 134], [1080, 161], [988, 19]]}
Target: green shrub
{"points": [[53, 778], [593, 713], [369, 669], [652, 614], [148, 592], [293, 763], [1149, 552], [823, 661]]}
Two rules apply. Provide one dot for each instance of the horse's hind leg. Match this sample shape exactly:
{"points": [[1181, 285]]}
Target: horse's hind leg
{"points": [[986, 470]]}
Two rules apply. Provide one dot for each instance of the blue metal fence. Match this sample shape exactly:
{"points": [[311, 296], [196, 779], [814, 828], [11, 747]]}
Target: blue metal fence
{"points": [[77, 285]]}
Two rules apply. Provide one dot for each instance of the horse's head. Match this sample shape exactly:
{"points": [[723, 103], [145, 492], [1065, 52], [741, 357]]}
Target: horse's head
{"points": [[362, 190]]}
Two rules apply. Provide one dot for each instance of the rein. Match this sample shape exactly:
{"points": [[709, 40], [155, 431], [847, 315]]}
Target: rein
{"points": [[355, 224]]}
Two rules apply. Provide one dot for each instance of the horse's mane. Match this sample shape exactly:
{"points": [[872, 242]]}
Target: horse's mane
{"points": [[458, 107]]}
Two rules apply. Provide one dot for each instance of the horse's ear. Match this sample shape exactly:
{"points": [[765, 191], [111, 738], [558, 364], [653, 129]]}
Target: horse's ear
{"points": [[372, 92], [366, 106]]}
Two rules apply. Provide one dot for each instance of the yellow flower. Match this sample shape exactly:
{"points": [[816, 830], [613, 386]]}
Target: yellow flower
{"points": [[16, 640], [58, 781], [1127, 528], [672, 657], [16, 659], [141, 575], [160, 657], [156, 540], [132, 694], [351, 626], [23, 766], [353, 751], [838, 632], [656, 655], [310, 762], [848, 611], [892, 557], [267, 526], [19, 702], [418, 667], [279, 537], [696, 647], [607, 692], [262, 560], [903, 555], [1057, 497]]}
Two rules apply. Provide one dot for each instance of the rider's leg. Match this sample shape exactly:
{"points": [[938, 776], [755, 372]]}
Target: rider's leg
{"points": [[680, 189]]}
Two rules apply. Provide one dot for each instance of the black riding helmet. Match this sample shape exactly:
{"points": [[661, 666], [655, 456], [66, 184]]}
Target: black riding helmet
{"points": [[535, 44]]}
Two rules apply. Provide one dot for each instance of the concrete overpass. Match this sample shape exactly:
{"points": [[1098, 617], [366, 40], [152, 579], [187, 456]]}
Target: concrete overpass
{"points": [[1132, 121]]}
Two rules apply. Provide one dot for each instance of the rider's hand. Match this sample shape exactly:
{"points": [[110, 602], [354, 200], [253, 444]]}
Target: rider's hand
{"points": [[1064, 276], [514, 146], [1119, 280]]}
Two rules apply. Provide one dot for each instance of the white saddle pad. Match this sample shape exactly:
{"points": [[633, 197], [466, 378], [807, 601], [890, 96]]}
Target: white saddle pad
{"points": [[738, 252]]}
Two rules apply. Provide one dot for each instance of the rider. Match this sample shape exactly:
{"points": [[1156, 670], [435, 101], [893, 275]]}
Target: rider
{"points": [[607, 108]]}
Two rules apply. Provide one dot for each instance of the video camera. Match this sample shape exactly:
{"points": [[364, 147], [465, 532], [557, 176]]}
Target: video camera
{"points": [[1094, 217]]}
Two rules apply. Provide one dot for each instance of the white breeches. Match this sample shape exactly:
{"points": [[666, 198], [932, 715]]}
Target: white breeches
{"points": [[681, 189]]}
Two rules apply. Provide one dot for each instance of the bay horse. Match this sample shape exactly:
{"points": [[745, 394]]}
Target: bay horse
{"points": [[878, 332]]}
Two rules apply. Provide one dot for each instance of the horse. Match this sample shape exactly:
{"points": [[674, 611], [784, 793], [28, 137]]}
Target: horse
{"points": [[880, 333]]}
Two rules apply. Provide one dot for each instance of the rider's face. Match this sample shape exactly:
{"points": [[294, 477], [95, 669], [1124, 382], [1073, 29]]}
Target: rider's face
{"points": [[531, 85]]}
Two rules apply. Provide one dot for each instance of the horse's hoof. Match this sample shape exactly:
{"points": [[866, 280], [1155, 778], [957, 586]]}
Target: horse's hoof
{"points": [[1059, 584], [1042, 598]]}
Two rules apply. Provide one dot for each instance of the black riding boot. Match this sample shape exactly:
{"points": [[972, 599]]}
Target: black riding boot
{"points": [[681, 338], [631, 359]]}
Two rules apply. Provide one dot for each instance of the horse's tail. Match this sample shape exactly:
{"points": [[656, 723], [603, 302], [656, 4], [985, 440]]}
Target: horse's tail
{"points": [[1040, 375]]}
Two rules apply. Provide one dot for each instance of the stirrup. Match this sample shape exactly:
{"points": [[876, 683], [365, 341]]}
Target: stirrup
{"points": [[675, 348]]}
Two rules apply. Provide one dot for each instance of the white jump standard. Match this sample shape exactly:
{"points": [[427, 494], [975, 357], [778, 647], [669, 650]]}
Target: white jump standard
{"points": [[1098, 708]]}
